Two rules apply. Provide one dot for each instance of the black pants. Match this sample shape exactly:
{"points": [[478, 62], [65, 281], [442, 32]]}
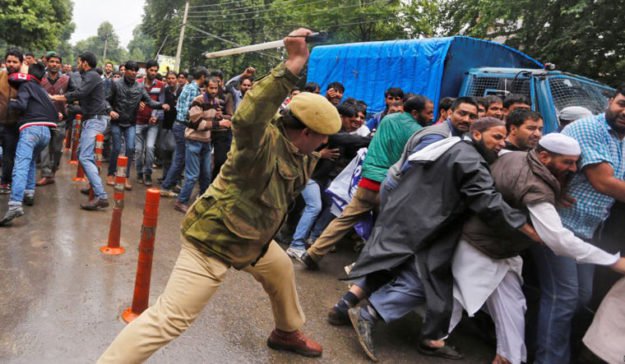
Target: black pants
{"points": [[10, 136], [221, 145]]}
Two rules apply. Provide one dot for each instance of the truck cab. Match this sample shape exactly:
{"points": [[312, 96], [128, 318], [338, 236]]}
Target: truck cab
{"points": [[549, 91]]}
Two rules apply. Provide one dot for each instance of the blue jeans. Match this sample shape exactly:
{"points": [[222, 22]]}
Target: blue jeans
{"points": [[565, 288], [197, 168], [177, 164], [312, 196], [86, 152], [31, 142], [128, 133], [145, 143]]}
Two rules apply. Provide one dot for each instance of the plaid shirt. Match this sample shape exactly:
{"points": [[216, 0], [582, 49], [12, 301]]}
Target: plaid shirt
{"points": [[599, 145], [189, 92]]}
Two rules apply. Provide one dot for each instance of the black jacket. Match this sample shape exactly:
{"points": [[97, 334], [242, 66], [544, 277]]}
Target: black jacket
{"points": [[424, 215], [125, 98], [348, 145], [90, 94], [34, 105]]}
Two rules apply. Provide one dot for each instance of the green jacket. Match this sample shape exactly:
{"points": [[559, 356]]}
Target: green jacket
{"points": [[241, 211], [387, 144]]}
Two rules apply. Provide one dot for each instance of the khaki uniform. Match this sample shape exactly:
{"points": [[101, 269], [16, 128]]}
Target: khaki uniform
{"points": [[232, 224]]}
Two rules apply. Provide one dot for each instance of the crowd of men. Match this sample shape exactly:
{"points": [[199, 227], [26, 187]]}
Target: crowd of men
{"points": [[449, 208]]}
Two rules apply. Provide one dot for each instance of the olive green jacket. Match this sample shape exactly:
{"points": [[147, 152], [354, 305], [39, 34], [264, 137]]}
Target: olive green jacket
{"points": [[241, 211]]}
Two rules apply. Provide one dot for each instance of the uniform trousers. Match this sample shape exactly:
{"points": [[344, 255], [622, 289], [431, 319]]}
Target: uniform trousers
{"points": [[193, 281]]}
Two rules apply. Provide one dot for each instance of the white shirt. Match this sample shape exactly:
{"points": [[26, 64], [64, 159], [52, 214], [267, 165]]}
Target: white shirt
{"points": [[562, 241]]}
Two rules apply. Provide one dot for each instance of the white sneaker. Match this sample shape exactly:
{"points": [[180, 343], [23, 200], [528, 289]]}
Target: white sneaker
{"points": [[295, 253]]}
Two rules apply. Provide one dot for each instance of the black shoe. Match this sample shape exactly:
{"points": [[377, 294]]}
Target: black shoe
{"points": [[29, 200], [363, 329], [308, 262], [12, 213], [445, 352], [147, 180], [176, 189], [337, 317], [95, 204]]}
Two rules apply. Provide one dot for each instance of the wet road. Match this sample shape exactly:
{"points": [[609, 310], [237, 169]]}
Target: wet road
{"points": [[60, 298]]}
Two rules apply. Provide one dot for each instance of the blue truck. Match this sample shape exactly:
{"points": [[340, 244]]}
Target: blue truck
{"points": [[452, 66]]}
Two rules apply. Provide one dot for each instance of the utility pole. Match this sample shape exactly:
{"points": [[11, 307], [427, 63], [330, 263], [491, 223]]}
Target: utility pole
{"points": [[184, 23]]}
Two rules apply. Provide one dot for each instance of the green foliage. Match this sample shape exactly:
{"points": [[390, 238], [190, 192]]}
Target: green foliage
{"points": [[34, 24], [579, 36], [141, 47], [105, 36]]}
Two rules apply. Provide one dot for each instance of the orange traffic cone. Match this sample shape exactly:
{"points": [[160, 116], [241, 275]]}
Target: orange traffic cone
{"points": [[113, 247]]}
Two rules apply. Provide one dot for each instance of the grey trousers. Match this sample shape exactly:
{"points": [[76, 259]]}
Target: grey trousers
{"points": [[51, 155]]}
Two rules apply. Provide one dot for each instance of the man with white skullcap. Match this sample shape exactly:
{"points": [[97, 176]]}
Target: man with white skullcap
{"points": [[571, 113], [487, 266]]}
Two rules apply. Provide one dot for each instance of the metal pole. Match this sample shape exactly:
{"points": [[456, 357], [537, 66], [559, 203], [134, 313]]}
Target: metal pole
{"points": [[184, 23]]}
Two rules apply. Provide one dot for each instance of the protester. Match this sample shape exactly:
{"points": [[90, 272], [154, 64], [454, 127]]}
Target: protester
{"points": [[513, 102], [384, 150], [90, 93], [8, 118], [221, 137], [37, 115], [494, 106], [488, 272], [525, 128], [125, 97], [391, 96], [240, 84], [565, 285], [257, 198], [444, 106], [54, 83], [166, 138], [147, 124], [571, 113], [417, 231], [208, 112], [335, 92]]}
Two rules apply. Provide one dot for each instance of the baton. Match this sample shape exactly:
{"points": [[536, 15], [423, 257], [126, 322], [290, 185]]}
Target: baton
{"points": [[311, 38]]}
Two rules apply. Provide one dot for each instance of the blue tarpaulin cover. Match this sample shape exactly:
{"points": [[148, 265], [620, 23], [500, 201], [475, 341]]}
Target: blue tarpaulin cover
{"points": [[432, 67]]}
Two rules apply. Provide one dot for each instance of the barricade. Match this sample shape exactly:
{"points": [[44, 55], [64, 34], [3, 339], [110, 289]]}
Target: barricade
{"points": [[113, 247], [75, 139], [99, 146], [141, 294]]}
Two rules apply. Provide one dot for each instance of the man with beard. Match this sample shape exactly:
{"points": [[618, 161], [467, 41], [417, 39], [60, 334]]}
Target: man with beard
{"points": [[8, 118], [239, 85], [566, 286], [54, 83], [384, 150], [147, 122], [525, 127], [487, 265], [417, 231]]}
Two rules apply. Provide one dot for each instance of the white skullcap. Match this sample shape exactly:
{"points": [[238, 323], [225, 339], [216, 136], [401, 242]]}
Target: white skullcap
{"points": [[560, 144], [572, 113]]}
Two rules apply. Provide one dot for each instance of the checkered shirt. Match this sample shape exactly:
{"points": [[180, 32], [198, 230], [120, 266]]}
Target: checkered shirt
{"points": [[599, 144]]}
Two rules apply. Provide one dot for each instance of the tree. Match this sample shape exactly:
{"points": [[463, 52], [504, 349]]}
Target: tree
{"points": [[580, 36], [141, 47], [34, 24], [105, 37]]}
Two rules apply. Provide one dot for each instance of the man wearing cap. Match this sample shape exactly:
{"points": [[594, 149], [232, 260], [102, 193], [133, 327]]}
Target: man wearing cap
{"points": [[571, 113], [233, 223], [487, 265], [600, 180]]}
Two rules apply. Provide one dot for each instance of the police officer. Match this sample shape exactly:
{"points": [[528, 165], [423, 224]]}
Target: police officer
{"points": [[233, 223]]}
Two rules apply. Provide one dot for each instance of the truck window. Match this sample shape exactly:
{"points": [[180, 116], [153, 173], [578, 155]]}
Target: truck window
{"points": [[483, 85], [573, 92]]}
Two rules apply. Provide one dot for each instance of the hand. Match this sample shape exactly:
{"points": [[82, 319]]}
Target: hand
{"points": [[60, 116], [297, 49], [114, 115], [566, 201], [219, 114], [153, 120], [141, 106], [331, 93], [57, 98], [528, 230], [332, 154], [619, 266], [225, 123], [166, 107], [249, 72]]}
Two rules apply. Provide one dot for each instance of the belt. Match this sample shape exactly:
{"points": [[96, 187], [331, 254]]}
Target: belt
{"points": [[96, 117]]}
